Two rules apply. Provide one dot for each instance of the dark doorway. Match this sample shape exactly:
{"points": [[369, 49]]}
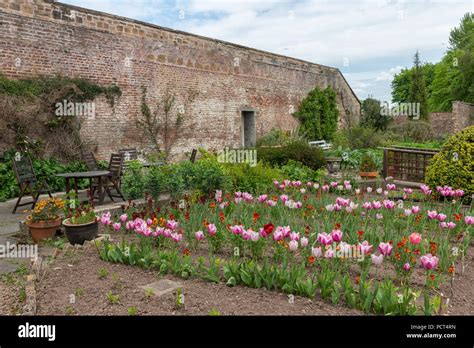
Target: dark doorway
{"points": [[248, 126]]}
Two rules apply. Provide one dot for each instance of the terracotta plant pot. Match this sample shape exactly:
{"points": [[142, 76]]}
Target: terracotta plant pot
{"points": [[368, 174], [78, 234], [41, 230]]}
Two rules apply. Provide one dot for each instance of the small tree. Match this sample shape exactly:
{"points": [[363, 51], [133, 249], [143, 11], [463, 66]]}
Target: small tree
{"points": [[371, 115], [418, 92], [163, 125], [318, 114]]}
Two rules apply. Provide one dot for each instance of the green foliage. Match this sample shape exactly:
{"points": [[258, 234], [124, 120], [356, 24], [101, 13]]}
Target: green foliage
{"points": [[418, 92], [367, 164], [461, 37], [318, 114], [358, 137], [371, 116], [78, 90], [133, 180], [454, 165], [252, 179], [277, 137], [401, 83], [297, 171], [297, 151]]}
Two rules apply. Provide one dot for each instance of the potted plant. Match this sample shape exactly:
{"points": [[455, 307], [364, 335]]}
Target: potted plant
{"points": [[81, 224], [44, 220], [368, 168]]}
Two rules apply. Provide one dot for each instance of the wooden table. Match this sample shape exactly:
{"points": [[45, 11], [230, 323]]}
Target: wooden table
{"points": [[153, 164], [99, 174]]}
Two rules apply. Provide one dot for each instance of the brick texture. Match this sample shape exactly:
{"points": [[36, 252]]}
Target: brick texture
{"points": [[212, 79]]}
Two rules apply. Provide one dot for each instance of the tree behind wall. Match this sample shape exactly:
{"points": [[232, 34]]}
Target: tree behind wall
{"points": [[418, 87], [318, 114]]}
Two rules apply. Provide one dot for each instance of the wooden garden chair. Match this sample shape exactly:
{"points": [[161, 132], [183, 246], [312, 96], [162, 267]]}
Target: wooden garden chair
{"points": [[128, 155], [114, 178], [27, 182]]}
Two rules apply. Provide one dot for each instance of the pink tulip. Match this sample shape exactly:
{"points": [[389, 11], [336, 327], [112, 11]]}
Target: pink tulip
{"points": [[246, 235], [254, 236], [376, 205], [469, 220], [325, 188], [451, 225], [304, 242], [277, 235], [147, 231], [218, 195], [237, 229], [369, 189], [365, 247], [336, 235], [379, 216], [429, 261], [407, 266], [158, 232], [172, 225], [385, 249], [130, 225], [105, 219], [377, 260], [262, 198], [149, 222], [167, 232], [123, 217], [293, 245], [176, 237], [425, 189], [212, 229], [199, 235], [333, 184], [284, 198], [324, 238], [388, 204], [391, 187], [432, 214], [408, 191], [443, 224], [441, 217], [367, 205], [316, 252], [271, 203], [294, 236], [117, 226], [415, 238], [238, 194], [459, 193], [415, 209]]}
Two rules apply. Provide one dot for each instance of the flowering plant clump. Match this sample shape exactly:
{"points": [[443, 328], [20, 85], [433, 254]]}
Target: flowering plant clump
{"points": [[302, 238], [47, 210]]}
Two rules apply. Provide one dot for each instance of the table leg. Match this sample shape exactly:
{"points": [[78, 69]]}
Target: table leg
{"points": [[68, 186], [101, 192], [75, 187]]}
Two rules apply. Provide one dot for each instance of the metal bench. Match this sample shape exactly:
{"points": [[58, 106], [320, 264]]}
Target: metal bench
{"points": [[322, 144]]}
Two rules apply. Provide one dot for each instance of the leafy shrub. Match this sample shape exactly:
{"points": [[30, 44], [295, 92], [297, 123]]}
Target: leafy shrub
{"points": [[297, 151], [277, 137], [454, 164], [413, 130], [367, 164], [358, 138], [133, 181], [296, 171], [252, 179], [318, 114]]}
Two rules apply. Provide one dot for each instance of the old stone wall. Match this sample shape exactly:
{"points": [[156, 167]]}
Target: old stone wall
{"points": [[213, 80], [446, 123]]}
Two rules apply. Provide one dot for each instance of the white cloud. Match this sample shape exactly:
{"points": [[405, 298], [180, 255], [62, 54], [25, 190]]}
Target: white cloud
{"points": [[388, 75]]}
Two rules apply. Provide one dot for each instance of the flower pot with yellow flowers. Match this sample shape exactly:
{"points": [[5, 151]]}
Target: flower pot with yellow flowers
{"points": [[45, 219]]}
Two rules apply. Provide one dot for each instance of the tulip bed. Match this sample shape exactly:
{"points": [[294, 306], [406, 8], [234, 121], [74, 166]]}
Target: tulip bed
{"points": [[345, 245]]}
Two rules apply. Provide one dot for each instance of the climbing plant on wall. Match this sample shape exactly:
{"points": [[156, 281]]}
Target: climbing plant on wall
{"points": [[318, 114], [28, 119]]}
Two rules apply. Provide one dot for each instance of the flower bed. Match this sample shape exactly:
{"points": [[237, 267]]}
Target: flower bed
{"points": [[333, 241]]}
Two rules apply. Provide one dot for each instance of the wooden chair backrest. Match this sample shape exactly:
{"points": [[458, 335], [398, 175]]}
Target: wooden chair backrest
{"points": [[24, 171], [91, 162], [129, 154], [115, 165], [193, 156]]}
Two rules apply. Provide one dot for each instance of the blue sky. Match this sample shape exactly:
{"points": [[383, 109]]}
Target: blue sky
{"points": [[368, 40]]}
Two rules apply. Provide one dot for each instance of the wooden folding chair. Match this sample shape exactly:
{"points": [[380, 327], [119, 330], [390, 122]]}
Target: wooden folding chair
{"points": [[27, 182], [90, 160], [114, 178]]}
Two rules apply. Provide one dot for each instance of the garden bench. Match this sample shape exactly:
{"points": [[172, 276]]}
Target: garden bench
{"points": [[27, 182], [322, 144]]}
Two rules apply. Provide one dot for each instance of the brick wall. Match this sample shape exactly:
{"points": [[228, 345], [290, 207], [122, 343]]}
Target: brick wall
{"points": [[446, 123], [213, 79]]}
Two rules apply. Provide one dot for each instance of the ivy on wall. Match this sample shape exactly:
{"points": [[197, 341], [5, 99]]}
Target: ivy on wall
{"points": [[318, 114], [28, 121]]}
